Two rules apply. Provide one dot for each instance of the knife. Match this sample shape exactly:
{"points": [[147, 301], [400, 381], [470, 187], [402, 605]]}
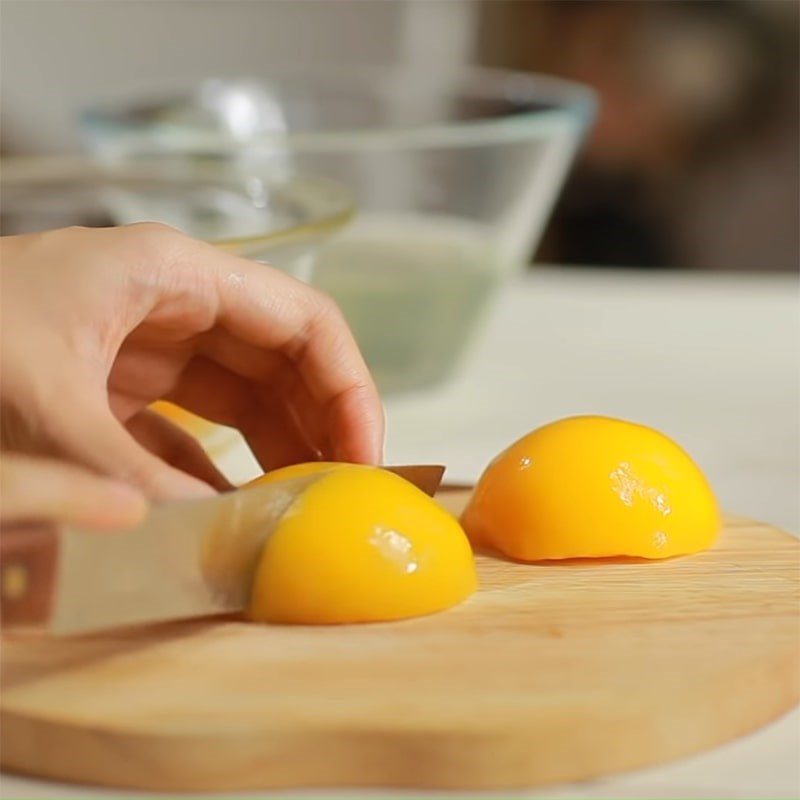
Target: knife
{"points": [[187, 559]]}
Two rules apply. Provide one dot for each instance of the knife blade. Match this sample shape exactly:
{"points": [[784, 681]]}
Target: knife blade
{"points": [[187, 559]]}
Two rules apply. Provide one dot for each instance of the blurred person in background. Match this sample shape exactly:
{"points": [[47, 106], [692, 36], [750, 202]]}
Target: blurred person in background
{"points": [[693, 161]]}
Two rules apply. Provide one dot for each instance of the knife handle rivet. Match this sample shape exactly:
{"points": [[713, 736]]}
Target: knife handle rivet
{"points": [[14, 581]]}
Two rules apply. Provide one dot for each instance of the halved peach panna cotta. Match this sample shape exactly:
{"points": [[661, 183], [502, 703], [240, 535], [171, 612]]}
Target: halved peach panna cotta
{"points": [[588, 487], [361, 544]]}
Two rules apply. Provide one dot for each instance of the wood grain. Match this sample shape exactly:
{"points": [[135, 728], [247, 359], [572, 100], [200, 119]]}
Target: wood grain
{"points": [[550, 673]]}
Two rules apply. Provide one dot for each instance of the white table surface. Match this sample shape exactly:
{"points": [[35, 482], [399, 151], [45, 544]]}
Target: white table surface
{"points": [[713, 360]]}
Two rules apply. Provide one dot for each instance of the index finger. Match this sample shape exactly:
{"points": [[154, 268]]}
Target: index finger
{"points": [[271, 310]]}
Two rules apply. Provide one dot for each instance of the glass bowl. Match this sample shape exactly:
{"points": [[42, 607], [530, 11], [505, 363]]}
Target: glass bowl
{"points": [[454, 175], [282, 221]]}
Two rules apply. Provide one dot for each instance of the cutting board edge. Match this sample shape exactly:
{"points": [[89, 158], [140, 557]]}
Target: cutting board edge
{"points": [[473, 767], [406, 759]]}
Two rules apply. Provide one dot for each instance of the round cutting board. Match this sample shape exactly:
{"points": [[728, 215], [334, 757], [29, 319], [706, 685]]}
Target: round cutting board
{"points": [[549, 673]]}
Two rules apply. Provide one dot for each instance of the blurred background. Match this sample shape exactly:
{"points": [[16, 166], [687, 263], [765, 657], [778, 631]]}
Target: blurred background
{"points": [[692, 163], [657, 135]]}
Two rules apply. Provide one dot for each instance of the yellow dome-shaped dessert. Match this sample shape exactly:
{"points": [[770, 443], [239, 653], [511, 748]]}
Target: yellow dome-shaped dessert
{"points": [[592, 487], [360, 544]]}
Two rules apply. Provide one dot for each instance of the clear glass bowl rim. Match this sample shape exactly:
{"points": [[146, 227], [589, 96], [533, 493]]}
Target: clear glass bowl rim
{"points": [[325, 218], [575, 106]]}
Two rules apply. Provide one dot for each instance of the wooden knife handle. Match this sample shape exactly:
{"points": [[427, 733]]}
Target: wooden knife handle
{"points": [[28, 558]]}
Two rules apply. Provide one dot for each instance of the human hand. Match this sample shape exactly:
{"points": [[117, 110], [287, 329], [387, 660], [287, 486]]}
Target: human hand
{"points": [[46, 490], [98, 323]]}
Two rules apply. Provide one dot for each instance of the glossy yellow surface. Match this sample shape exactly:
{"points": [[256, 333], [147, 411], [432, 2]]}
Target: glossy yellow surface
{"points": [[592, 487], [295, 471], [216, 440], [361, 545], [191, 423]]}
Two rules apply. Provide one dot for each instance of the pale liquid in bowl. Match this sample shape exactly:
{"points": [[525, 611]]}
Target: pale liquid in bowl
{"points": [[414, 289]]}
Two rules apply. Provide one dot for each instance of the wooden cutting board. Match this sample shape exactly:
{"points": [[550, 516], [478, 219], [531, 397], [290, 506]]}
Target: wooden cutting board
{"points": [[550, 673]]}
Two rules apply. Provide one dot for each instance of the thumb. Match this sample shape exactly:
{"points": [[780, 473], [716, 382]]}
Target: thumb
{"points": [[39, 489], [94, 437]]}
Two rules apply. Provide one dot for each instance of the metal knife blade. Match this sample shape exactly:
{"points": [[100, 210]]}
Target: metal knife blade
{"points": [[186, 559]]}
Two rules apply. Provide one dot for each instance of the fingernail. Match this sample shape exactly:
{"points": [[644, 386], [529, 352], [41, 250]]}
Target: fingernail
{"points": [[126, 507], [178, 486], [384, 432], [126, 495]]}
